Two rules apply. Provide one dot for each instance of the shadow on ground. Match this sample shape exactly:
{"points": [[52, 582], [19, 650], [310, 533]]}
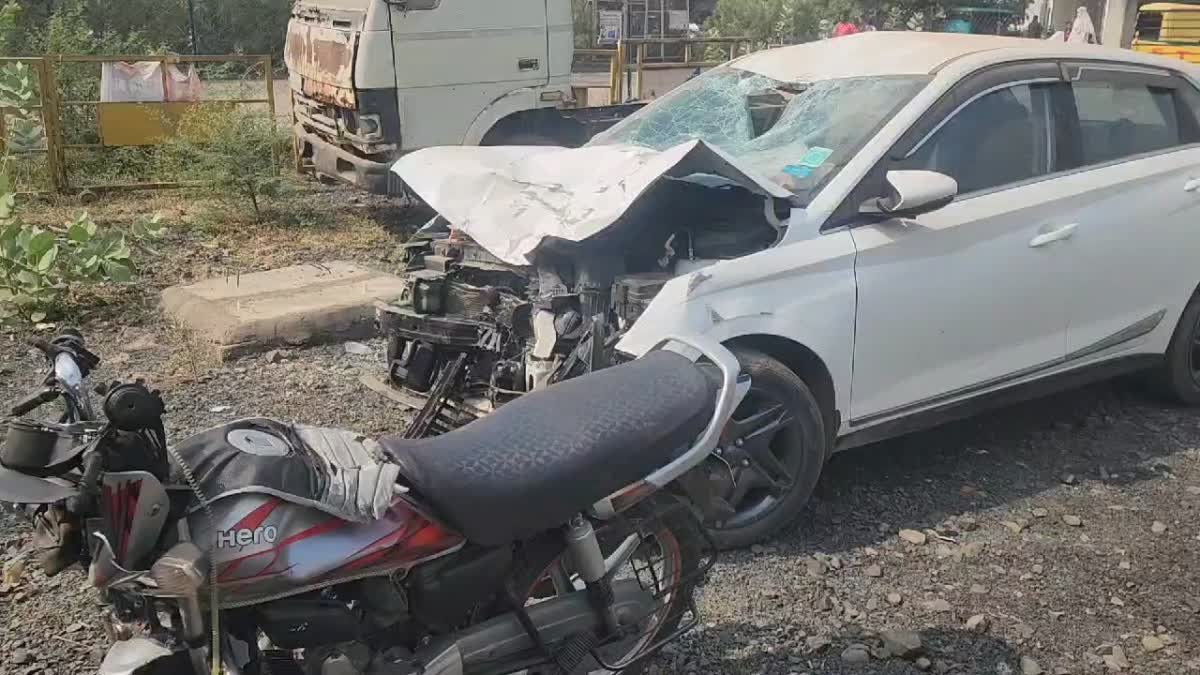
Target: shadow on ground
{"points": [[1111, 432]]}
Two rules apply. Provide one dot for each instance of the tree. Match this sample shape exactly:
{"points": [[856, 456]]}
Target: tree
{"points": [[799, 20], [585, 27], [112, 26], [774, 21]]}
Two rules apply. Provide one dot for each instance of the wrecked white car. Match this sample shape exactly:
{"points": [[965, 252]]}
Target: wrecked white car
{"points": [[889, 229]]}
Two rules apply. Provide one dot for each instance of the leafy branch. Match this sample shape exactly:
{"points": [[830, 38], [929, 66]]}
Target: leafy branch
{"points": [[40, 266]]}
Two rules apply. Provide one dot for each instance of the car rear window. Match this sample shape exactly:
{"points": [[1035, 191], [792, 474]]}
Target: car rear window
{"points": [[1119, 119]]}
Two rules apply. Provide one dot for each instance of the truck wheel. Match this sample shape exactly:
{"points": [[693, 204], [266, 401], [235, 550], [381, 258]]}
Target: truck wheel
{"points": [[775, 446], [1179, 378]]}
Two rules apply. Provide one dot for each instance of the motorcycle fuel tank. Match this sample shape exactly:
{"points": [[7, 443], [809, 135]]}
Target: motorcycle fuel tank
{"points": [[265, 548]]}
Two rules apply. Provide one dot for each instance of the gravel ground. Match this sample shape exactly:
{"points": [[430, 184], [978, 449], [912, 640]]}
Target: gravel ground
{"points": [[1059, 536], [994, 501]]}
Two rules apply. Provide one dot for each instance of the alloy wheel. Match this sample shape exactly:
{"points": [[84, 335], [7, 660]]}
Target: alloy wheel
{"points": [[763, 449]]}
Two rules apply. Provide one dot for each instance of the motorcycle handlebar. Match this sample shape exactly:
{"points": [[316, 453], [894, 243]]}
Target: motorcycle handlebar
{"points": [[93, 464], [32, 402]]}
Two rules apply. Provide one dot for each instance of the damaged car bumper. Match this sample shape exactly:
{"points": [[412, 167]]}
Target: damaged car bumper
{"points": [[536, 282]]}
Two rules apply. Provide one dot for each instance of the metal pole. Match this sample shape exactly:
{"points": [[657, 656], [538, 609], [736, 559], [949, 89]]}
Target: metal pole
{"points": [[56, 164], [269, 76], [191, 9]]}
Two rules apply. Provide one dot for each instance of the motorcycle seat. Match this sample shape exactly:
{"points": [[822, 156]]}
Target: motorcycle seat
{"points": [[550, 454]]}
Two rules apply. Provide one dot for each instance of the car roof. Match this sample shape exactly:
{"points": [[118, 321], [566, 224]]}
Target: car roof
{"points": [[884, 53]]}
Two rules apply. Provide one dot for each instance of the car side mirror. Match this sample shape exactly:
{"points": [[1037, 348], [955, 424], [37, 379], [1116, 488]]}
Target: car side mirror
{"points": [[913, 192]]}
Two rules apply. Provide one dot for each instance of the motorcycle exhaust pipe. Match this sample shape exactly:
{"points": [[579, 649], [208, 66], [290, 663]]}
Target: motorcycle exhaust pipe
{"points": [[493, 643]]}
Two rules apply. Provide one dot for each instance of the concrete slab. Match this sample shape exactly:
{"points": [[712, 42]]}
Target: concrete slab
{"points": [[306, 304]]}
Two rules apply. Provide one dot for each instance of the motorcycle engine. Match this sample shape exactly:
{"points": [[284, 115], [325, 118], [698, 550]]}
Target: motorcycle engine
{"points": [[367, 627], [357, 658]]}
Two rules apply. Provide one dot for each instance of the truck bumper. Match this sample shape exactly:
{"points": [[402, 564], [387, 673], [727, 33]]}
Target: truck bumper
{"points": [[327, 159]]}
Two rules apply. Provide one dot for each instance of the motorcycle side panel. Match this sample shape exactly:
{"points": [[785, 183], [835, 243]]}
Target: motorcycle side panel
{"points": [[265, 547], [135, 508]]}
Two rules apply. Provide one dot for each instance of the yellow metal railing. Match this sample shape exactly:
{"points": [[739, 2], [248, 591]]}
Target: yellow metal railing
{"points": [[632, 58], [134, 123]]}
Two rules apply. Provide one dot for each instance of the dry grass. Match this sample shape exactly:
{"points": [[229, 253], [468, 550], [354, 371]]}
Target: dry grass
{"points": [[191, 356], [207, 237]]}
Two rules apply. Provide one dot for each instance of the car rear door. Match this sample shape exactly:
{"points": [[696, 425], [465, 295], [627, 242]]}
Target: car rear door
{"points": [[972, 296], [1135, 202]]}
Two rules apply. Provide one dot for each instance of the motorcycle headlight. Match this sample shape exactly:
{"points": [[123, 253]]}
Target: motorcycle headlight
{"points": [[181, 572]]}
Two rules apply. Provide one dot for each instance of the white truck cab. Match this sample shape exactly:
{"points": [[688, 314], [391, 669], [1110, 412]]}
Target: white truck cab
{"points": [[374, 79]]}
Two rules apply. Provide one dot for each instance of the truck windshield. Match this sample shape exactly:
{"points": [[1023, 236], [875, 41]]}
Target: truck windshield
{"points": [[796, 133]]}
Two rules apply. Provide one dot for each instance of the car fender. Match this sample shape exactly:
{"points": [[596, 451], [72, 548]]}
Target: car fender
{"points": [[804, 292], [517, 100]]}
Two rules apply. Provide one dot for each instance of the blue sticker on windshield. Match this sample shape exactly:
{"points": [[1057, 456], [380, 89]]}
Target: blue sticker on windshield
{"points": [[798, 171], [815, 157]]}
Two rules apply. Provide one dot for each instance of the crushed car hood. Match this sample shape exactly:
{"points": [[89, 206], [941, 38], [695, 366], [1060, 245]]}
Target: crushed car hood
{"points": [[511, 199]]}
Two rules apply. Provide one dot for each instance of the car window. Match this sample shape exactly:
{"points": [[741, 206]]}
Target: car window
{"points": [[1000, 138], [1119, 119]]}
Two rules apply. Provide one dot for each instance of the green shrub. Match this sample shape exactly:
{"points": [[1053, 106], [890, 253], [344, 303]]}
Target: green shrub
{"points": [[232, 152], [25, 135], [39, 267]]}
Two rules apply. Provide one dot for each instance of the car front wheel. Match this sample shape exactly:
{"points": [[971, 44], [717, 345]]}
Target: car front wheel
{"points": [[774, 448], [1180, 378]]}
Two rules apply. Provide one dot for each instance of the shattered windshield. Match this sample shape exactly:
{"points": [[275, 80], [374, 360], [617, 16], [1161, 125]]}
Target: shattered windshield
{"points": [[796, 133]]}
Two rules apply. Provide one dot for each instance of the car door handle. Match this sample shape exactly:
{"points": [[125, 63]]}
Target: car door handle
{"points": [[1192, 185], [1057, 234]]}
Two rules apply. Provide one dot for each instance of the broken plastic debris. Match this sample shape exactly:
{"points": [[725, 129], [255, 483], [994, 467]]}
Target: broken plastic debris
{"points": [[357, 349]]}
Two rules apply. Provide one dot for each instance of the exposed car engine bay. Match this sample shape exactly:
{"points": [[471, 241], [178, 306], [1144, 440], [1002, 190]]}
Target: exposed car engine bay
{"points": [[471, 332]]}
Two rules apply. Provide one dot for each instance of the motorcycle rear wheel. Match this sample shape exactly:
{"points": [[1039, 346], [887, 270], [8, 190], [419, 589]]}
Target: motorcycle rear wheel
{"points": [[667, 563]]}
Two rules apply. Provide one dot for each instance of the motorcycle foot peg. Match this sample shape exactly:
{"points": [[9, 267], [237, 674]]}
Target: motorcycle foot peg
{"points": [[575, 651]]}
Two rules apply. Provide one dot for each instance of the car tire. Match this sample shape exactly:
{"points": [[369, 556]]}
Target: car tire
{"points": [[805, 448], [1179, 378]]}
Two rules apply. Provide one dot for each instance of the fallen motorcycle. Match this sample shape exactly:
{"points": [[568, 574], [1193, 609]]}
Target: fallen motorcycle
{"points": [[561, 534]]}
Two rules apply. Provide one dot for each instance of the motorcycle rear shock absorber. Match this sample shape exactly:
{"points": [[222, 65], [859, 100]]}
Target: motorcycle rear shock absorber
{"points": [[589, 563]]}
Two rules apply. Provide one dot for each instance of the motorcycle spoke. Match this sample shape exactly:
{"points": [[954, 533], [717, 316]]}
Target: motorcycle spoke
{"points": [[623, 553]]}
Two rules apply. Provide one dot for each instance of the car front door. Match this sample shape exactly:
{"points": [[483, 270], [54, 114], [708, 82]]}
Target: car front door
{"points": [[1135, 201], [972, 296]]}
